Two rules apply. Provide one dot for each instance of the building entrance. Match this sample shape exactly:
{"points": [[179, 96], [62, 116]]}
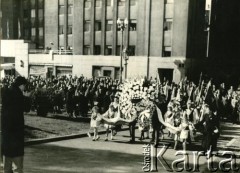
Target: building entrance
{"points": [[165, 74]]}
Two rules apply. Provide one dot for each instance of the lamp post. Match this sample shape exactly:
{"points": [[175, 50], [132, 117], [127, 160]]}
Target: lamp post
{"points": [[122, 24]]}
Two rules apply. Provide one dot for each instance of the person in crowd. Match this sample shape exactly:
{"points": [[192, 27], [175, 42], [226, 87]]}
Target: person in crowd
{"points": [[83, 103], [210, 130], [110, 113], [95, 122], [70, 105], [157, 126], [14, 103]]}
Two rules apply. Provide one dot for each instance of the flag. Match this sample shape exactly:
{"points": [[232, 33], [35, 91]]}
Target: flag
{"points": [[7, 29], [158, 82], [19, 29], [169, 127], [208, 95]]}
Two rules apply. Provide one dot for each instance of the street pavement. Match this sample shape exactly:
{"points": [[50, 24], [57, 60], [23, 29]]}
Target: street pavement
{"points": [[118, 155], [113, 156]]}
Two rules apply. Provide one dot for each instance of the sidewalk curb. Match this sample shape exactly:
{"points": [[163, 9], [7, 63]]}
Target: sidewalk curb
{"points": [[66, 137]]}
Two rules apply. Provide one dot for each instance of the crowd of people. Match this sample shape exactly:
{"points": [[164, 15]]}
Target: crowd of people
{"points": [[153, 105]]}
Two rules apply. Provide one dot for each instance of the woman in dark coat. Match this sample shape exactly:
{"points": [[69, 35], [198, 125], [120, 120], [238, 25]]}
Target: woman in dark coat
{"points": [[70, 103], [14, 103]]}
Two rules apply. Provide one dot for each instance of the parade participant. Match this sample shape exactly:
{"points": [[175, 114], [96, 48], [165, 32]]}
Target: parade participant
{"points": [[95, 122], [189, 112], [111, 113], [234, 114], [157, 126], [132, 125], [14, 103], [144, 123], [177, 123], [184, 134], [210, 131], [168, 116]]}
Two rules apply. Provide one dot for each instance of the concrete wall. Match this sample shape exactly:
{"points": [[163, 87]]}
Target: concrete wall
{"points": [[51, 23], [167, 63], [78, 26], [180, 28], [156, 27], [19, 50], [137, 65]]}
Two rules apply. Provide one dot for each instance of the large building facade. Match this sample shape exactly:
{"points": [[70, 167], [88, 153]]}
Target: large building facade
{"points": [[166, 36]]}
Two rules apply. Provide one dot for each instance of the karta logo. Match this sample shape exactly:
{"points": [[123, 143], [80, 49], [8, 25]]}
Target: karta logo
{"points": [[154, 159]]}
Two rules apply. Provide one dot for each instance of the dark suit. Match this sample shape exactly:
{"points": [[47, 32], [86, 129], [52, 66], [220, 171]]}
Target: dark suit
{"points": [[13, 106]]}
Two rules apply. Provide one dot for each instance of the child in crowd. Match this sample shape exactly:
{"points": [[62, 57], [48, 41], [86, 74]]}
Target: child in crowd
{"points": [[111, 113], [95, 122]]}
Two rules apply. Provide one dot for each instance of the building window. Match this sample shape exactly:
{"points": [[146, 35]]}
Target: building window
{"points": [[69, 29], [87, 3], [70, 9], [33, 13], [25, 4], [40, 42], [60, 30], [132, 2], [33, 32], [131, 51], [109, 24], [108, 50], [40, 4], [70, 2], [87, 26], [97, 50], [169, 1], [40, 13], [25, 13], [86, 50], [40, 31], [33, 3], [118, 50], [61, 2], [33, 22], [167, 25], [98, 3], [26, 22], [167, 51], [98, 25], [109, 2], [133, 25], [40, 21], [121, 2], [61, 9], [33, 38]]}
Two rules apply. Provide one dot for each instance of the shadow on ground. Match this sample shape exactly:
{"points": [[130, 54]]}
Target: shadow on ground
{"points": [[58, 159]]}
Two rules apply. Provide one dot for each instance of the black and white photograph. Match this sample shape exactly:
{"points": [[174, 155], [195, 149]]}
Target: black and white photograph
{"points": [[119, 86]]}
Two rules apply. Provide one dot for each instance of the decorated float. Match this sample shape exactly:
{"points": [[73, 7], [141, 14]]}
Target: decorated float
{"points": [[136, 103]]}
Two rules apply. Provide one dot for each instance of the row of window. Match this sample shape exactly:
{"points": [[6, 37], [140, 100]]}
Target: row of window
{"points": [[70, 2], [61, 29], [33, 18], [98, 27], [33, 4], [62, 8], [98, 3], [108, 50], [109, 25]]}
